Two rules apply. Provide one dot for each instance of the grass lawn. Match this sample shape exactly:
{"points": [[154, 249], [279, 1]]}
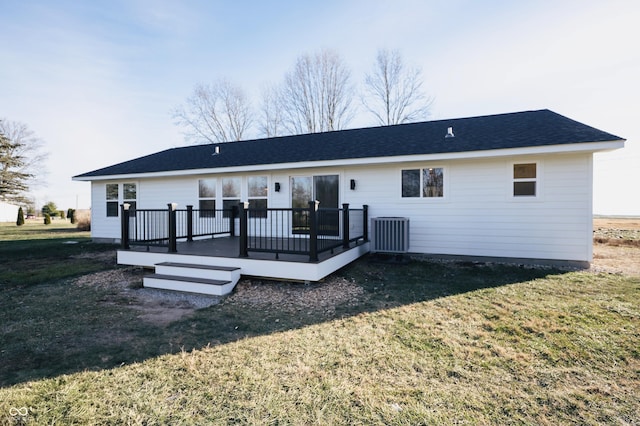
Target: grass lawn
{"points": [[423, 343]]}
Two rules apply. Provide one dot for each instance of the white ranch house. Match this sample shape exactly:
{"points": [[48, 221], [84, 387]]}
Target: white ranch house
{"points": [[514, 186]]}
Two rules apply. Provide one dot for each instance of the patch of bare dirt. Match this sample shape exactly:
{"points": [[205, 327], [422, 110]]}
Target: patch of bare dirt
{"points": [[159, 307]]}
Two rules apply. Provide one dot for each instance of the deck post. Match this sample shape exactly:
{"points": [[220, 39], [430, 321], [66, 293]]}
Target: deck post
{"points": [[124, 226], [232, 221], [189, 223], [365, 223], [173, 243], [345, 225], [244, 240], [313, 231]]}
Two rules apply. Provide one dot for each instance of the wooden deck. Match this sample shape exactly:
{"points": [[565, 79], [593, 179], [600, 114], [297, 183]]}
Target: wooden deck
{"points": [[224, 252]]}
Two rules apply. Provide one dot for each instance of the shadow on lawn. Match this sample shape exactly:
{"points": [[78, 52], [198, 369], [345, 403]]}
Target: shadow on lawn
{"points": [[61, 328]]}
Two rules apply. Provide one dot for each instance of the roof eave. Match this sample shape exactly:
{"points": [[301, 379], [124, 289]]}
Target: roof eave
{"points": [[602, 146]]}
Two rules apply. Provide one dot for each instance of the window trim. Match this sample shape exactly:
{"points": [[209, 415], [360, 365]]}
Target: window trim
{"points": [[421, 168], [264, 197], [235, 198], [200, 198], [120, 198], [537, 180], [111, 201]]}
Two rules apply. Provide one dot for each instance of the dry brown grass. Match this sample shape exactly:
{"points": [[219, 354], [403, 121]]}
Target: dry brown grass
{"points": [[616, 247], [83, 220]]}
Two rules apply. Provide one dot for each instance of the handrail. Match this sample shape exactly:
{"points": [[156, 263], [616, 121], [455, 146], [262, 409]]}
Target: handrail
{"points": [[307, 231]]}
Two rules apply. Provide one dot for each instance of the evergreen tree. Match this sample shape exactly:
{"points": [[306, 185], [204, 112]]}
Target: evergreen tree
{"points": [[20, 220], [13, 179]]}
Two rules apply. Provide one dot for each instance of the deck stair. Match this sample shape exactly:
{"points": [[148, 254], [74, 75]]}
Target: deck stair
{"points": [[193, 278]]}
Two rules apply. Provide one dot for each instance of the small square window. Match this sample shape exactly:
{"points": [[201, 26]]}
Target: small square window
{"points": [[525, 180]]}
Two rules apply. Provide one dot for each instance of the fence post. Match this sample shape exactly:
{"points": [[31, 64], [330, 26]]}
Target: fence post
{"points": [[124, 226], [345, 225], [232, 221], [189, 223], [365, 223], [313, 231], [244, 240], [173, 243]]}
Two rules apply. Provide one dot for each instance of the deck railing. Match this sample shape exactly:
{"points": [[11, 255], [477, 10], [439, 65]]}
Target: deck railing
{"points": [[308, 231], [164, 227]]}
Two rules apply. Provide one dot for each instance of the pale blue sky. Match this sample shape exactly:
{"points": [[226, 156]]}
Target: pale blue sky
{"points": [[97, 79]]}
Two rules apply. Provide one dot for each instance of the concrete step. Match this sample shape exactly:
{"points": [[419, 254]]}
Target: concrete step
{"points": [[189, 284]]}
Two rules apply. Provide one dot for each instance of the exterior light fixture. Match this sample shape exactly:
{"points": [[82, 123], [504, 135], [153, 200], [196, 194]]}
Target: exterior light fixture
{"points": [[352, 184], [277, 188]]}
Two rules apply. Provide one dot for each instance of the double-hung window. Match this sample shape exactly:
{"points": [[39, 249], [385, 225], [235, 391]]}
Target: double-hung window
{"points": [[423, 183], [230, 194], [121, 193], [130, 196], [257, 195], [207, 197], [525, 177], [112, 199]]}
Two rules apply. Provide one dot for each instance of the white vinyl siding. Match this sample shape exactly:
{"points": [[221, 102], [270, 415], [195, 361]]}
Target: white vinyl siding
{"points": [[479, 216]]}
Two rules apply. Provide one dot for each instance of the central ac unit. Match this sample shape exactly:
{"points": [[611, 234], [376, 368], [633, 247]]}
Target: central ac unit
{"points": [[390, 234]]}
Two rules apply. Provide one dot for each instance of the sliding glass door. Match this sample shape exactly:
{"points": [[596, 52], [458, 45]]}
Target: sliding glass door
{"points": [[324, 188]]}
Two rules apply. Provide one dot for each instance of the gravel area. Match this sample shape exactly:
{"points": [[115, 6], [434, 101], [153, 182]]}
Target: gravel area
{"points": [[313, 297]]}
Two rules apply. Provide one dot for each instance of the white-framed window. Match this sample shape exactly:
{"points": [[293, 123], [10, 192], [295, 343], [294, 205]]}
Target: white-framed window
{"points": [[230, 193], [113, 199], [130, 196], [425, 182], [257, 191], [207, 197], [525, 179], [120, 193]]}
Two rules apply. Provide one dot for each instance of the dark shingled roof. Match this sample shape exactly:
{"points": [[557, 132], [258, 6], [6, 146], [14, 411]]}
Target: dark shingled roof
{"points": [[513, 130]]}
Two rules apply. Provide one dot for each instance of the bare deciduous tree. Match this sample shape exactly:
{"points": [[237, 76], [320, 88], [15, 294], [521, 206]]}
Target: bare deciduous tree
{"points": [[215, 113], [316, 95], [21, 161], [393, 93], [271, 123]]}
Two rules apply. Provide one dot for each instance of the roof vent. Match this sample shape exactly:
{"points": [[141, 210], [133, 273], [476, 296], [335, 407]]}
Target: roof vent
{"points": [[449, 133], [217, 150]]}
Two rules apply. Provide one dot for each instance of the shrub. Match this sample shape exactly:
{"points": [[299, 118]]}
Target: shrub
{"points": [[61, 214], [50, 209], [47, 219], [82, 220], [20, 220], [71, 215]]}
